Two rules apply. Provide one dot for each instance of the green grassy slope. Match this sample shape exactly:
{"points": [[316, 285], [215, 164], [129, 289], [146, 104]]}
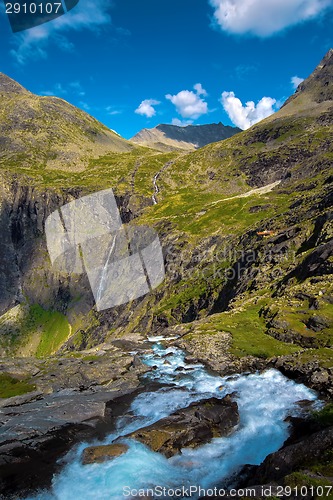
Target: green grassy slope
{"points": [[200, 217], [38, 132]]}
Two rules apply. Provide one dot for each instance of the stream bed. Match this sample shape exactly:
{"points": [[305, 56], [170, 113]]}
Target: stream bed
{"points": [[264, 401]]}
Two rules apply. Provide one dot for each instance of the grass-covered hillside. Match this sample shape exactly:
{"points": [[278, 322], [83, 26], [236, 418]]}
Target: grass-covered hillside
{"points": [[228, 289], [38, 132]]}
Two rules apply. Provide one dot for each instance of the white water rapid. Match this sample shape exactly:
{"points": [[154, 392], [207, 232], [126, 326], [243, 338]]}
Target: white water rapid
{"points": [[264, 401]]}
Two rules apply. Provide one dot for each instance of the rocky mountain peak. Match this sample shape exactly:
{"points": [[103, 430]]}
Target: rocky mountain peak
{"points": [[319, 84], [8, 85]]}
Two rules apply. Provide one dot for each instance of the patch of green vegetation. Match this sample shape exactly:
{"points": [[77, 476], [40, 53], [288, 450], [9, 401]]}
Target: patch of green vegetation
{"points": [[201, 284], [10, 386], [200, 214], [247, 329], [324, 357], [325, 415], [325, 465], [125, 172], [39, 332], [55, 331], [91, 357], [303, 479]]}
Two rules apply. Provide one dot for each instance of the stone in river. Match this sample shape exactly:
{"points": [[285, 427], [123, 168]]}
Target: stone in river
{"points": [[99, 454], [193, 426]]}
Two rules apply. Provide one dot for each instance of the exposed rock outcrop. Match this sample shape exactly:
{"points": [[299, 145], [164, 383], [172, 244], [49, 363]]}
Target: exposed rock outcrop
{"points": [[99, 454], [190, 427]]}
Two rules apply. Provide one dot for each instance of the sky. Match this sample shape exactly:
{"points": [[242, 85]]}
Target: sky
{"points": [[135, 64]]}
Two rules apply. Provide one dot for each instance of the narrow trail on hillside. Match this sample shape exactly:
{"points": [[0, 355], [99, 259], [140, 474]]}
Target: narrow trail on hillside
{"points": [[259, 191]]}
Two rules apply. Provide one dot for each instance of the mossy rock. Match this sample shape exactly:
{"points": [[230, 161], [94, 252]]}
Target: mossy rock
{"points": [[99, 454]]}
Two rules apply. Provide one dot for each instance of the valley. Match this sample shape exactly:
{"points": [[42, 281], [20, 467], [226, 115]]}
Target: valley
{"points": [[247, 236]]}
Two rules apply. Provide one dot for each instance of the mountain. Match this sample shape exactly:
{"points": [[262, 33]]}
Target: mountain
{"points": [[317, 87], [246, 226], [275, 176], [48, 132], [174, 138]]}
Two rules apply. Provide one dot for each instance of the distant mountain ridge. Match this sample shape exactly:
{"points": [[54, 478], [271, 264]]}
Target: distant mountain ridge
{"points": [[49, 132], [172, 137]]}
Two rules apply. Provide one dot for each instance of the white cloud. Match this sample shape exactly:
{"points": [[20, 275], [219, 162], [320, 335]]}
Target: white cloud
{"points": [[181, 123], [84, 106], [264, 17], [76, 88], [199, 89], [296, 81], [146, 108], [87, 15], [246, 116], [189, 104], [111, 110], [57, 90]]}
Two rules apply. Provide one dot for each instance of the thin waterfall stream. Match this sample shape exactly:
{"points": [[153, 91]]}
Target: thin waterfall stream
{"points": [[264, 401]]}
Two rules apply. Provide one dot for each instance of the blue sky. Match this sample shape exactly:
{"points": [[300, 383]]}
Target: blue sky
{"points": [[134, 64]]}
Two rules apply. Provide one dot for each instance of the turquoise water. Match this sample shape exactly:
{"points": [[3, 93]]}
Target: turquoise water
{"points": [[264, 401]]}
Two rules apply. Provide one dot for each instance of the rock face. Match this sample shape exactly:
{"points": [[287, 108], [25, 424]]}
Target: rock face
{"points": [[318, 84], [10, 86], [190, 427], [37, 429], [290, 458], [171, 137], [26, 274], [99, 454]]}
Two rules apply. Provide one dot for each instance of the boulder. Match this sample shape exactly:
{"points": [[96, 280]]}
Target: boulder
{"points": [[99, 454], [191, 426]]}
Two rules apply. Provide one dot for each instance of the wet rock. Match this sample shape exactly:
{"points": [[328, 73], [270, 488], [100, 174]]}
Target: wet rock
{"points": [[320, 377], [191, 426], [99, 454], [309, 373], [305, 403], [136, 361], [38, 428], [290, 458], [169, 355], [191, 360]]}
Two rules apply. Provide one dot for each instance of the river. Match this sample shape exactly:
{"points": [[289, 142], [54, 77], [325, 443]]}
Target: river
{"points": [[264, 401]]}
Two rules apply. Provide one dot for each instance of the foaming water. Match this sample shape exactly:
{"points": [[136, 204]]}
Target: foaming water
{"points": [[264, 401]]}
